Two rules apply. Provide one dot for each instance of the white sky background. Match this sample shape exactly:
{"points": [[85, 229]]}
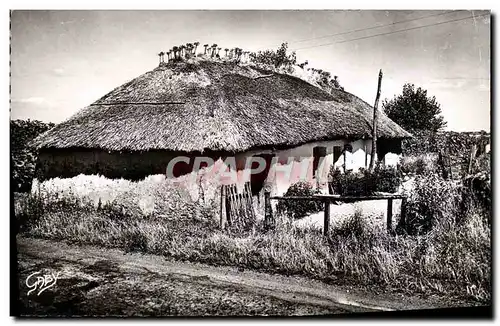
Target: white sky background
{"points": [[62, 61]]}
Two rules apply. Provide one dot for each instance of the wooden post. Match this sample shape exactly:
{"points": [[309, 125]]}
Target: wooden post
{"points": [[326, 224], [375, 118], [344, 165], [229, 205], [223, 212], [389, 215], [442, 164], [268, 210], [366, 157], [402, 218], [472, 158]]}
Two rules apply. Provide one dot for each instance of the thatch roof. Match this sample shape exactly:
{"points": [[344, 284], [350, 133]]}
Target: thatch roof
{"points": [[199, 105]]}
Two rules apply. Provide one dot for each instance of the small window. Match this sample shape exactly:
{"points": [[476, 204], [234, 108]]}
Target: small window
{"points": [[318, 154]]}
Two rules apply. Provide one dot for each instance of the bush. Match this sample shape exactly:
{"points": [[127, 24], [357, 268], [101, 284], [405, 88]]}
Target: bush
{"points": [[352, 183], [452, 258], [386, 178], [135, 241], [364, 182], [23, 158], [296, 209], [477, 194], [432, 199], [418, 164]]}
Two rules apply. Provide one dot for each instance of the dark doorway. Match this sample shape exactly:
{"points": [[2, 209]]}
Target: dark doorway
{"points": [[318, 154], [257, 179], [337, 152]]}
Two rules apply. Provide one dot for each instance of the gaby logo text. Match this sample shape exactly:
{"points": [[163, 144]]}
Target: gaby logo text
{"points": [[38, 281]]}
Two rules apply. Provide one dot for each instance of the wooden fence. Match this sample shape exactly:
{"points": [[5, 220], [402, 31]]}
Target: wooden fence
{"points": [[329, 199], [237, 207]]}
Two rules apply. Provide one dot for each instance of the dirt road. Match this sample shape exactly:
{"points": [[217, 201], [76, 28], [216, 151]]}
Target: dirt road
{"points": [[104, 282]]}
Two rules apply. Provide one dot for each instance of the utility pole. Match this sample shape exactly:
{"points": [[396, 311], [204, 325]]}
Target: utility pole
{"points": [[375, 118]]}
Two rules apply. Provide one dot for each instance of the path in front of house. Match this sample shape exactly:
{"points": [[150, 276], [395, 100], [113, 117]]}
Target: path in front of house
{"points": [[109, 282]]}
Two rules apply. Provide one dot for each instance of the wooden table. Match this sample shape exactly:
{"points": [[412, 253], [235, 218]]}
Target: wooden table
{"points": [[329, 199]]}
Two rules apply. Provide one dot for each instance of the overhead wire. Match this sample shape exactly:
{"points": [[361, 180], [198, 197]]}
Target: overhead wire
{"points": [[388, 33]]}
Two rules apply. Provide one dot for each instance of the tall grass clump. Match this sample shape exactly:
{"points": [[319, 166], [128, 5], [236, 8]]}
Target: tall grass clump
{"points": [[432, 199]]}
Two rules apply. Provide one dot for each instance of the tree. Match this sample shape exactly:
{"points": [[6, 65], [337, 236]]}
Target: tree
{"points": [[23, 154], [237, 52], [414, 110], [214, 47], [189, 48]]}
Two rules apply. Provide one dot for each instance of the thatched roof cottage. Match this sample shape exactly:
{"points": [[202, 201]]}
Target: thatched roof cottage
{"points": [[213, 107]]}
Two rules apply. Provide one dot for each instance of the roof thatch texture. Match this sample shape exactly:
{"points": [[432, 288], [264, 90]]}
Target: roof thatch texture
{"points": [[199, 105]]}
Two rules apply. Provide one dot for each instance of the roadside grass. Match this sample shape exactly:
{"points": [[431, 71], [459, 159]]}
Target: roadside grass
{"points": [[453, 258]]}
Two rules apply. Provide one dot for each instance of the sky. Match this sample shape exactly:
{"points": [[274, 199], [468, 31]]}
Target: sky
{"points": [[62, 61]]}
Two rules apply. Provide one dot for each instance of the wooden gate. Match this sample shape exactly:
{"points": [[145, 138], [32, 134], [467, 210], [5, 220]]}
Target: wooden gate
{"points": [[238, 210]]}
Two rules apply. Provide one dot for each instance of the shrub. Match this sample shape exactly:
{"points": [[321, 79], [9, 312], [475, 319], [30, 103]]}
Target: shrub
{"points": [[352, 226], [365, 182], [278, 59], [418, 164], [135, 241], [477, 194], [352, 183], [23, 170], [423, 142], [28, 209], [296, 209], [386, 178], [23, 158], [431, 199]]}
